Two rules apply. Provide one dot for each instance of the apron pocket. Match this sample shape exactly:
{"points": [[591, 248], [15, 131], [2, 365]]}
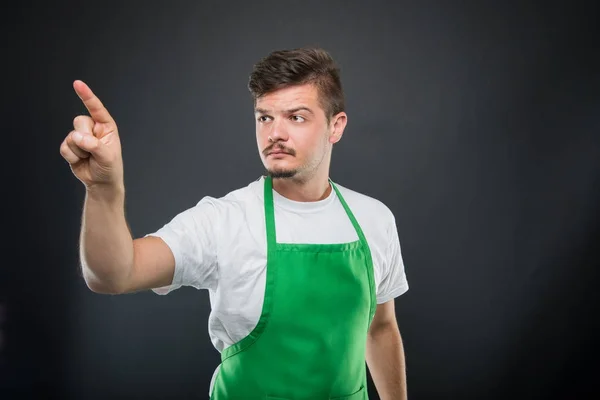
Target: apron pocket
{"points": [[358, 395]]}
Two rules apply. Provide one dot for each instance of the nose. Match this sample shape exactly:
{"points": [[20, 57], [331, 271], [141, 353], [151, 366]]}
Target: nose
{"points": [[278, 130]]}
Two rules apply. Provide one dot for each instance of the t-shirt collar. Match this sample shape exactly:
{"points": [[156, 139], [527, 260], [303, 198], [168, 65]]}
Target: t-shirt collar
{"points": [[301, 206]]}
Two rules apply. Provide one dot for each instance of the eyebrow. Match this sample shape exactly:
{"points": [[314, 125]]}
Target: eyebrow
{"points": [[290, 111]]}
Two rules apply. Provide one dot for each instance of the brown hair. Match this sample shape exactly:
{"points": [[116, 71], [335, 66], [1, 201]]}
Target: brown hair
{"points": [[283, 68]]}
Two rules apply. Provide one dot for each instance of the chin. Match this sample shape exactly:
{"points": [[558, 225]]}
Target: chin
{"points": [[281, 173], [281, 169]]}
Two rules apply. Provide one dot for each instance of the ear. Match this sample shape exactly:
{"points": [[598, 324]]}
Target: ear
{"points": [[338, 124]]}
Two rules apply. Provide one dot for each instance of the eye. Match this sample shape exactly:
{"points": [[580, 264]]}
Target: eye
{"points": [[297, 118], [263, 118]]}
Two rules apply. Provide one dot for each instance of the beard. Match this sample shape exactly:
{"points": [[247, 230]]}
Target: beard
{"points": [[281, 173], [299, 174]]}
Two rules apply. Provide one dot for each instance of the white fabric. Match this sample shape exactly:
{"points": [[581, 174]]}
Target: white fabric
{"points": [[220, 245]]}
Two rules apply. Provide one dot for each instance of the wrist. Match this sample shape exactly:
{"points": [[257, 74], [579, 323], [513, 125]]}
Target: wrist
{"points": [[106, 192]]}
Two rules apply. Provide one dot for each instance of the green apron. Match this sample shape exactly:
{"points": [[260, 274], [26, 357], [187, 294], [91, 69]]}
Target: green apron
{"points": [[309, 343]]}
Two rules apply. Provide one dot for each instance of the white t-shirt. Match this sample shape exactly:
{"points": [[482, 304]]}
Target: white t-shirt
{"points": [[220, 245]]}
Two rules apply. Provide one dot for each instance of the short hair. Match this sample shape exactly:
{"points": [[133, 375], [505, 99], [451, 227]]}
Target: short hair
{"points": [[285, 68]]}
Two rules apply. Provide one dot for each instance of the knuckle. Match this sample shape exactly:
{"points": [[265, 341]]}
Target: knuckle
{"points": [[68, 155], [64, 147], [80, 120], [70, 143]]}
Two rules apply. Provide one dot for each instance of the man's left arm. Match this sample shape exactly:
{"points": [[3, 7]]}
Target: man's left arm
{"points": [[385, 354]]}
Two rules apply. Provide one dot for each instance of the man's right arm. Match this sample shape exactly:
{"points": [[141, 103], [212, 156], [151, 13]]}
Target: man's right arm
{"points": [[112, 262]]}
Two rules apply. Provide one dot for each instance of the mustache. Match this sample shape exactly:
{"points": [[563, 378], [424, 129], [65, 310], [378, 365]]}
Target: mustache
{"points": [[276, 146]]}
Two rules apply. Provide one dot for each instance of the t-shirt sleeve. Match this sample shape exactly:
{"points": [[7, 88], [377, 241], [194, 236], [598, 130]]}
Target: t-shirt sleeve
{"points": [[393, 282], [191, 236]]}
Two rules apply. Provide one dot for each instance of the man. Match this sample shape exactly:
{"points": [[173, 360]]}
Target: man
{"points": [[302, 272]]}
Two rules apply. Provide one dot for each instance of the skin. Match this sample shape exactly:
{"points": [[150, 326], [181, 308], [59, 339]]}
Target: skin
{"points": [[291, 119], [385, 354]]}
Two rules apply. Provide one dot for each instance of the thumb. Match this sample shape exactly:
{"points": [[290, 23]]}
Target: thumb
{"points": [[83, 123], [94, 146], [98, 129]]}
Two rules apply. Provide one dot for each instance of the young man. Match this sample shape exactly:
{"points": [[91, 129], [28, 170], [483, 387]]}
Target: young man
{"points": [[302, 272]]}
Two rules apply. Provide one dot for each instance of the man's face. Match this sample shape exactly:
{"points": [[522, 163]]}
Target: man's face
{"points": [[292, 132]]}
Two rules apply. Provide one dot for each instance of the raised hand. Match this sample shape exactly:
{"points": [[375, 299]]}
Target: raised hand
{"points": [[93, 148]]}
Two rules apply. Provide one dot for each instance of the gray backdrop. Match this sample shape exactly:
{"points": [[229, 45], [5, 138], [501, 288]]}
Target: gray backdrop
{"points": [[477, 124]]}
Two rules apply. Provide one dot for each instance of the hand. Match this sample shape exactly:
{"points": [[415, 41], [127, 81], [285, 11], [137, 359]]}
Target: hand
{"points": [[93, 148]]}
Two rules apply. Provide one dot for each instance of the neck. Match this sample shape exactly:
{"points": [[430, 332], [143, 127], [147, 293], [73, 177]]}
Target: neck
{"points": [[313, 189]]}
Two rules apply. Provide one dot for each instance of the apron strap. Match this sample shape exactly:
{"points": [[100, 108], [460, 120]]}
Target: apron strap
{"points": [[366, 248], [272, 239], [270, 215], [357, 227]]}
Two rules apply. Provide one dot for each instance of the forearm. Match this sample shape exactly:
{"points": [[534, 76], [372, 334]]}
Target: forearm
{"points": [[106, 244], [385, 358]]}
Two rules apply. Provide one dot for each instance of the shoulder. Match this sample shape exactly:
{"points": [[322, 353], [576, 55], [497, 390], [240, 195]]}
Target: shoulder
{"points": [[364, 204], [236, 199], [214, 213], [224, 213], [378, 223]]}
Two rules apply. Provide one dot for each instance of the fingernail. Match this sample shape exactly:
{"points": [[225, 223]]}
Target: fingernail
{"points": [[77, 136]]}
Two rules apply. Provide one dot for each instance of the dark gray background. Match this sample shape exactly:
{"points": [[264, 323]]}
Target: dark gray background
{"points": [[478, 125]]}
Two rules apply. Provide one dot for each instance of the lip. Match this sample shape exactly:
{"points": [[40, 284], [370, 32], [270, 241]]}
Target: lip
{"points": [[277, 153]]}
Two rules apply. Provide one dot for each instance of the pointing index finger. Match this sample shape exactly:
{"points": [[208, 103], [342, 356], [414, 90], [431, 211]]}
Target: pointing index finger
{"points": [[98, 112]]}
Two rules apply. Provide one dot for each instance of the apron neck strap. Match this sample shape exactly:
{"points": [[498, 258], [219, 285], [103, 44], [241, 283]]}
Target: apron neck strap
{"points": [[270, 213], [357, 227]]}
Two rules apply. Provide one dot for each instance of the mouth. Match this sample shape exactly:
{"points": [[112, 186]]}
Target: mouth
{"points": [[277, 156], [277, 153]]}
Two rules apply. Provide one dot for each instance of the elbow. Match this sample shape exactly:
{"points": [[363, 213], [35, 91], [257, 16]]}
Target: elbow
{"points": [[102, 286], [383, 330]]}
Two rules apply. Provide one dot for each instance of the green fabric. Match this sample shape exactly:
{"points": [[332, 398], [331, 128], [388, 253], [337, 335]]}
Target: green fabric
{"points": [[309, 343]]}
